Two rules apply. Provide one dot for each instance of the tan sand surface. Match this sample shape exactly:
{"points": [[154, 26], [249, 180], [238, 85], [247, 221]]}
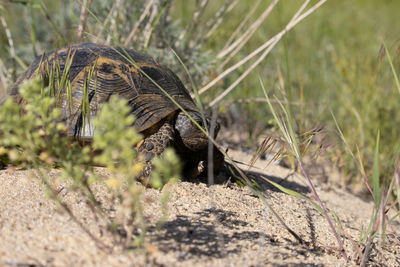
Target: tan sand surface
{"points": [[217, 225]]}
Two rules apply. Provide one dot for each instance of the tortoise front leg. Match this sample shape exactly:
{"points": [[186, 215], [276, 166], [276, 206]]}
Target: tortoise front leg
{"points": [[154, 145]]}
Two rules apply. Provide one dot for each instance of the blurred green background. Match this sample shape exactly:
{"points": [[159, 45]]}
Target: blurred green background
{"points": [[332, 61]]}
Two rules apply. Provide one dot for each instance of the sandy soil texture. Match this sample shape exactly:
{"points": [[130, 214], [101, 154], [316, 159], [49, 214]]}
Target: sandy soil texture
{"points": [[217, 225]]}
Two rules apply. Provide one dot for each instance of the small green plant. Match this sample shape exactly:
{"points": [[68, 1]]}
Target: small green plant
{"points": [[115, 137], [33, 136], [284, 120], [382, 192]]}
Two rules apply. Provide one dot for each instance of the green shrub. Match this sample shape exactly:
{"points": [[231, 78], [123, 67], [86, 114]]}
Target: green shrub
{"points": [[33, 136]]}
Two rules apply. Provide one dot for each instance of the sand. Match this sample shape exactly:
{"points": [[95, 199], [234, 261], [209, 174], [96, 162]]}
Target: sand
{"points": [[218, 225]]}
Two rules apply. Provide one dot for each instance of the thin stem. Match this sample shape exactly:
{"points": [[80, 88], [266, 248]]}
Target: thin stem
{"points": [[3, 78], [193, 23], [263, 47], [148, 29], [244, 74], [49, 19], [213, 23], [109, 15], [210, 161], [155, 22], [10, 44], [135, 28], [241, 25], [111, 33], [321, 204], [83, 18], [240, 42]]}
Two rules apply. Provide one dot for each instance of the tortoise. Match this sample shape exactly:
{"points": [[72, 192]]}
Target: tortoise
{"points": [[125, 72]]}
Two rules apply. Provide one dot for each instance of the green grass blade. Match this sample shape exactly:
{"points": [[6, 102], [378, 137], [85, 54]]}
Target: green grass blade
{"points": [[281, 126], [284, 126], [195, 90], [389, 58], [397, 186], [51, 22], [375, 176], [153, 26], [293, 193], [126, 55], [290, 130], [338, 221]]}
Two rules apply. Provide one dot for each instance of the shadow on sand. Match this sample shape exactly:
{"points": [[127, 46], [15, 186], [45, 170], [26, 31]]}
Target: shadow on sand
{"points": [[218, 233]]}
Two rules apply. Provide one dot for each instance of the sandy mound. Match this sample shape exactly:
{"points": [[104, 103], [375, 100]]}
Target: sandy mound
{"points": [[218, 225]]}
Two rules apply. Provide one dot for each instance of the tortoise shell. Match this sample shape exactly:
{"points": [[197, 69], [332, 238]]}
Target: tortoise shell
{"points": [[97, 72]]}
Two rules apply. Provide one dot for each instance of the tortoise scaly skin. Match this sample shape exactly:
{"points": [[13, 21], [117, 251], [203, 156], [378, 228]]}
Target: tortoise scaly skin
{"points": [[159, 120]]}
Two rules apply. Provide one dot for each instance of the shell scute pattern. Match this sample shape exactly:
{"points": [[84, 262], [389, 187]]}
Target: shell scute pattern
{"points": [[96, 72]]}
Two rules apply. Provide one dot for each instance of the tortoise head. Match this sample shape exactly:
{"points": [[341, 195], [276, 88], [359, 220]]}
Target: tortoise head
{"points": [[192, 137]]}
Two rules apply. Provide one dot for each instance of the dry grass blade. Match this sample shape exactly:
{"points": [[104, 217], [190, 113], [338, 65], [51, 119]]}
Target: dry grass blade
{"points": [[160, 10], [83, 18], [267, 46], [267, 144], [118, 4], [4, 76], [9, 36], [301, 9], [284, 122], [240, 42], [213, 23], [193, 23], [132, 34], [355, 245], [148, 29], [244, 74], [103, 25], [101, 30], [10, 44], [46, 14], [241, 25]]}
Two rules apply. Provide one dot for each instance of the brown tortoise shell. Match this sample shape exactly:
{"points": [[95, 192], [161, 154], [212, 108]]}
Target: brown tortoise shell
{"points": [[114, 73]]}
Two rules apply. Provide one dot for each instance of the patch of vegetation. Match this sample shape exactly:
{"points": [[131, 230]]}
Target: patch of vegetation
{"points": [[33, 136]]}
